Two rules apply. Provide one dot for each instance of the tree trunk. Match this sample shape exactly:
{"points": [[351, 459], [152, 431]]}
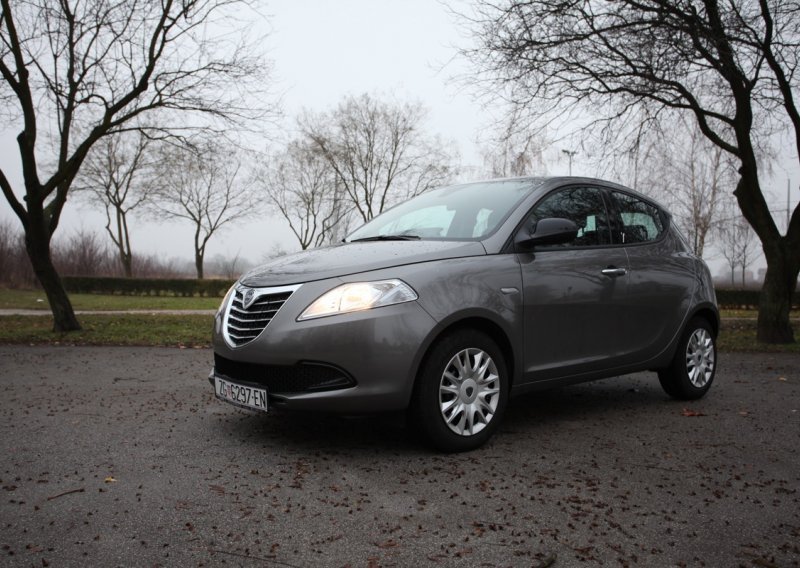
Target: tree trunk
{"points": [[775, 303], [127, 264], [38, 247], [198, 264], [123, 243], [783, 262]]}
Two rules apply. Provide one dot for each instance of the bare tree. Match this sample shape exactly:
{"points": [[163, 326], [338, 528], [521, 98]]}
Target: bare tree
{"points": [[8, 241], [514, 151], [115, 175], [15, 268], [76, 71], [83, 254], [731, 66], [681, 167], [378, 151], [206, 188], [300, 183], [736, 243], [227, 266]]}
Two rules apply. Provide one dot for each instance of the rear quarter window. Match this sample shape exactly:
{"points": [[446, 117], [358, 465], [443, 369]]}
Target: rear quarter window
{"points": [[641, 221]]}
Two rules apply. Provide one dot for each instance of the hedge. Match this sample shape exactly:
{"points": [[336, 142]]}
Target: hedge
{"points": [[146, 286], [738, 299]]}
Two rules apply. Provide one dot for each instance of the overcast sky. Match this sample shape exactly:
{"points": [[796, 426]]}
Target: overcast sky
{"points": [[321, 52]]}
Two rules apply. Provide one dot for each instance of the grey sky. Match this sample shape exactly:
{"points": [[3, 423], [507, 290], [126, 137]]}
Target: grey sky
{"points": [[323, 51]]}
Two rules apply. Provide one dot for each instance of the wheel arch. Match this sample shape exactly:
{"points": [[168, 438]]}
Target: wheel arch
{"points": [[709, 313], [480, 323]]}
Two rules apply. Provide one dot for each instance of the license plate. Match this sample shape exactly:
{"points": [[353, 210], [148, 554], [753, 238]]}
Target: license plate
{"points": [[240, 395]]}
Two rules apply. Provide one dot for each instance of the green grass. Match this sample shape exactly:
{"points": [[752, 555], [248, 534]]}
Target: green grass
{"points": [[188, 330], [738, 313], [36, 300], [740, 335], [193, 330]]}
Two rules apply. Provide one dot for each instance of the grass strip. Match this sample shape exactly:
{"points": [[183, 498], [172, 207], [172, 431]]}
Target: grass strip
{"points": [[195, 331], [740, 335], [187, 331]]}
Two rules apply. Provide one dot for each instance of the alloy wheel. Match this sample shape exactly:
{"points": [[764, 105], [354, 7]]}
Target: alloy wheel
{"points": [[469, 391], [700, 357]]}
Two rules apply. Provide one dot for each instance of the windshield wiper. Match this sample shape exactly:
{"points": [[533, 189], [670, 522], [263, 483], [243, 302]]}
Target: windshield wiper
{"points": [[387, 238]]}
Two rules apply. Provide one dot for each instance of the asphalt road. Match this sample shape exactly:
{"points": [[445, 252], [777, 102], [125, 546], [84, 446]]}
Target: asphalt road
{"points": [[122, 456]]}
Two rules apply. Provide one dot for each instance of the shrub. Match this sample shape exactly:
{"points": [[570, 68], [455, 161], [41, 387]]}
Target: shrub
{"points": [[146, 286], [743, 299]]}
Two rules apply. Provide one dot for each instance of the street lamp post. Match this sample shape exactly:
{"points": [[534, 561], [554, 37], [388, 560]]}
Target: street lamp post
{"points": [[570, 154]]}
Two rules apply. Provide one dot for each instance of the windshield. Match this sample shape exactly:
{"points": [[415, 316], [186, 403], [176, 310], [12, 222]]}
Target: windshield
{"points": [[458, 212]]}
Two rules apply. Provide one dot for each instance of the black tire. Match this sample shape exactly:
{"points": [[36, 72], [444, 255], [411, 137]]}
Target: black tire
{"points": [[474, 407], [694, 365]]}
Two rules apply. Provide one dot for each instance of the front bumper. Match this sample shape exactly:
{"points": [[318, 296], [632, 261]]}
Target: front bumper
{"points": [[351, 363]]}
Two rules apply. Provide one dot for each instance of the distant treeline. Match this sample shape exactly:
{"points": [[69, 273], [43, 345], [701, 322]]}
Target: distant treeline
{"points": [[87, 254]]}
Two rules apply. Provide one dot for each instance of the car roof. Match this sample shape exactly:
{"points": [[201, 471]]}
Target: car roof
{"points": [[544, 184]]}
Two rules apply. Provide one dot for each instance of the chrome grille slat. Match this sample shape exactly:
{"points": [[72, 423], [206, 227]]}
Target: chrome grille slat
{"points": [[232, 328], [252, 309], [239, 318], [255, 315], [243, 325], [243, 337]]}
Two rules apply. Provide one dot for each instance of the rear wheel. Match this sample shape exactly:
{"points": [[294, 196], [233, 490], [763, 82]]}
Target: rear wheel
{"points": [[694, 366], [461, 391]]}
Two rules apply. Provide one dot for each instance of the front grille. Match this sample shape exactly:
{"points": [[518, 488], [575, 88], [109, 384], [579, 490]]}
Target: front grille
{"points": [[284, 379], [245, 324]]}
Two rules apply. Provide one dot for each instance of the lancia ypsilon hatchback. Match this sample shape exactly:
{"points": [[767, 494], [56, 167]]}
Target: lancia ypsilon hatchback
{"points": [[454, 300]]}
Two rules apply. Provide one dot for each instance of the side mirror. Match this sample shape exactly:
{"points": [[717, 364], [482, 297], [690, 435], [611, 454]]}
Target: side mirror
{"points": [[552, 231]]}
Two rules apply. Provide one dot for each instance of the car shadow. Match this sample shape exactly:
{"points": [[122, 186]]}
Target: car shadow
{"points": [[621, 398], [619, 395], [318, 432]]}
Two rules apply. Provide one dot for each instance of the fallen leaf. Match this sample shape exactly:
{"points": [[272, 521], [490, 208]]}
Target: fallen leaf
{"points": [[692, 413]]}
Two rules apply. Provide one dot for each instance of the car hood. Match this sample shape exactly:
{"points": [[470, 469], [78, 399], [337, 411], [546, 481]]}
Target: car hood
{"points": [[352, 258]]}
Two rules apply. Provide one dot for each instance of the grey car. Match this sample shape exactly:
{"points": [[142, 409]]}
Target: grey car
{"points": [[452, 301]]}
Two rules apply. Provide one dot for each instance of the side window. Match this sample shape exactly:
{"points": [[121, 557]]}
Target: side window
{"points": [[641, 222], [582, 205]]}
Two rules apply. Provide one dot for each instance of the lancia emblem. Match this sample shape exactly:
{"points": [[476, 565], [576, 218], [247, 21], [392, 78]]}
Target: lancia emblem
{"points": [[248, 298]]}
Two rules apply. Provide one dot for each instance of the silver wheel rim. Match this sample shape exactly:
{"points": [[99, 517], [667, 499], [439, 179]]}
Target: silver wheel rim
{"points": [[469, 392], [700, 358]]}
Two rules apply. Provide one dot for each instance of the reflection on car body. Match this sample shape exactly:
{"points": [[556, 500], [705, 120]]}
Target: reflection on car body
{"points": [[452, 301]]}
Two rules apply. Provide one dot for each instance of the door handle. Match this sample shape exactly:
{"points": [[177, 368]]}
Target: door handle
{"points": [[614, 272]]}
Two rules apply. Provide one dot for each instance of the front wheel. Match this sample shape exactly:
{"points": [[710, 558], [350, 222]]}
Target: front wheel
{"points": [[461, 391], [692, 370]]}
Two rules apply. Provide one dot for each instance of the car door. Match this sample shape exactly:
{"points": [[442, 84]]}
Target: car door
{"points": [[572, 293], [661, 277]]}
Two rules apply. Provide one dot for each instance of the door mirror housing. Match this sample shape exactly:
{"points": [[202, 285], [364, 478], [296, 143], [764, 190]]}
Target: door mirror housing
{"points": [[551, 231]]}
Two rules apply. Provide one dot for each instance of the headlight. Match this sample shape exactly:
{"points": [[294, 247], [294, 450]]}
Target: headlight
{"points": [[359, 296]]}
